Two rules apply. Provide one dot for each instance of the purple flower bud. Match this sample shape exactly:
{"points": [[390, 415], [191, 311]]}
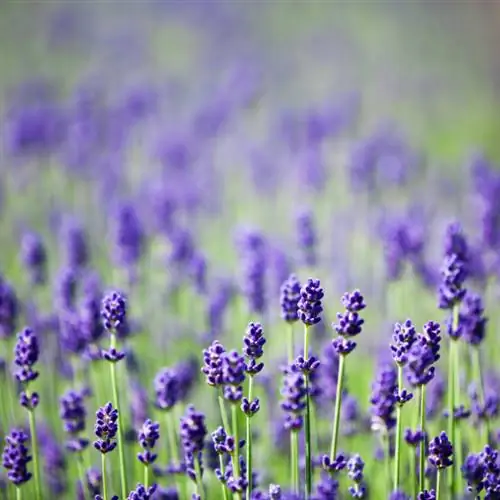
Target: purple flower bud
{"points": [[15, 457], [9, 309], [149, 433], [293, 401], [106, 428], [26, 356], [310, 306], [114, 311], [213, 364], [441, 452], [289, 299]]}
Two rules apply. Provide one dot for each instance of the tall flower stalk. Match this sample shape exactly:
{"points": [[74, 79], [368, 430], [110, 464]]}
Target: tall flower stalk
{"points": [[253, 343], [310, 309], [349, 325], [114, 315], [26, 354], [149, 433]]}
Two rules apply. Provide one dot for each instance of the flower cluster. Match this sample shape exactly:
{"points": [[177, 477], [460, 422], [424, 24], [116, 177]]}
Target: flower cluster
{"points": [[309, 305], [149, 433], [15, 457], [289, 299], [73, 414], [349, 323], [106, 428]]}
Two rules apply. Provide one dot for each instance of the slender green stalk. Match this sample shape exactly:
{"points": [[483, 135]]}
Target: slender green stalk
{"points": [[338, 405], [223, 414], [146, 476], [104, 479], [36, 456], [249, 440], [83, 479], [199, 482], [18, 493], [397, 461], [222, 471], [451, 407], [421, 472], [387, 453], [307, 421], [294, 442], [291, 348], [478, 377], [121, 440], [438, 484], [236, 454], [458, 431], [413, 473]]}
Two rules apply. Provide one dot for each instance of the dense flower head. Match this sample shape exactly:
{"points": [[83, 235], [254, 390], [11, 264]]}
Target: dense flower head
{"points": [[106, 427], [403, 338], [455, 242], [128, 236], [167, 388], [193, 430], [289, 299], [383, 399], [253, 343], [293, 401], [26, 355], [34, 257], [114, 311], [148, 434], [142, 493], [73, 413], [413, 438], [440, 452], [75, 245], [233, 375], [15, 457], [349, 323], [213, 363], [71, 333], [306, 237], [65, 288], [355, 466], [473, 471], [472, 321], [424, 354], [89, 312], [9, 309], [310, 302]]}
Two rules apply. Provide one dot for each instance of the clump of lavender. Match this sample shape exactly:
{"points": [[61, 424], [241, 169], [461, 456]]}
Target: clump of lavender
{"points": [[26, 354], [34, 258], [294, 392], [440, 457], [355, 466], [253, 343], [306, 238], [114, 316], [482, 473], [403, 338], [149, 433], [349, 324], [15, 458], [73, 414], [65, 289], [106, 429], [9, 309], [289, 302], [142, 492], [310, 309], [223, 446], [192, 433], [75, 245]]}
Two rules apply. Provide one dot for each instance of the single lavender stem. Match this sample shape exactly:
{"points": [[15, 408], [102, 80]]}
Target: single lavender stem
{"points": [[121, 442], [81, 474], [421, 475], [438, 484], [458, 431], [388, 462], [294, 443], [451, 406], [104, 481], [223, 471], [36, 457], [249, 440], [397, 461], [478, 376], [338, 405], [291, 348], [146, 476], [236, 455], [223, 414], [199, 483], [307, 420], [18, 493], [413, 475]]}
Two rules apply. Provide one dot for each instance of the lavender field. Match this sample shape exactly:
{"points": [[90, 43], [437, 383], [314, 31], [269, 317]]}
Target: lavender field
{"points": [[249, 250]]}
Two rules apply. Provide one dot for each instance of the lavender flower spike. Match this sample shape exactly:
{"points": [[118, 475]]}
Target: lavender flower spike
{"points": [[16, 457]]}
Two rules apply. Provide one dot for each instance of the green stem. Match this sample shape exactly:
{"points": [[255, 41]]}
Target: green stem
{"points": [[307, 421], [421, 475], [397, 461], [438, 484], [338, 405], [387, 454], [18, 493], [478, 376], [249, 440], [222, 471], [291, 348], [236, 454], [146, 476], [36, 458], [199, 482], [451, 407], [294, 443], [457, 444], [104, 480], [223, 414], [413, 475], [121, 442]]}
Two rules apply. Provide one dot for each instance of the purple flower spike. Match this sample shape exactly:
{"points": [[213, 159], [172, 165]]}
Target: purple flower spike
{"points": [[26, 355], [472, 321], [310, 306], [349, 323], [383, 399], [167, 388], [253, 343], [233, 375], [142, 493], [105, 429], [403, 338], [73, 414], [114, 311], [294, 398], [9, 309], [15, 457], [212, 368], [149, 433], [289, 299], [355, 466], [193, 430], [306, 236], [34, 257], [441, 452]]}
